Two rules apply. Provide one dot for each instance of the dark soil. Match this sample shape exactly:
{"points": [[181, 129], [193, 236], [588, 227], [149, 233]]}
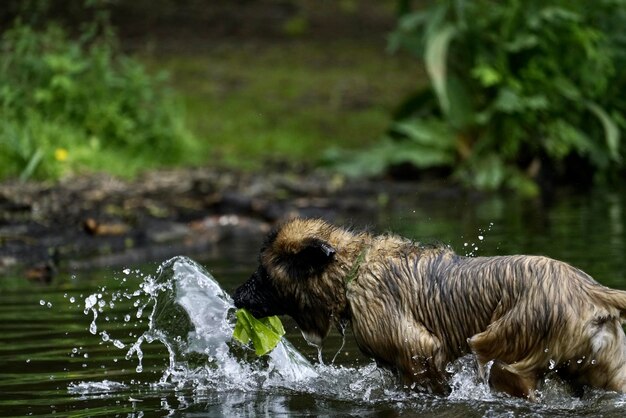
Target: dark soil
{"points": [[100, 221]]}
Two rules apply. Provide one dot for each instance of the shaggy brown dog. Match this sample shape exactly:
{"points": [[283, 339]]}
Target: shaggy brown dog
{"points": [[415, 308]]}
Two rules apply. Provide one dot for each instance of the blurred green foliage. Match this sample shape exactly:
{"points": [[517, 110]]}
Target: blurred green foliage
{"points": [[72, 104], [517, 89], [246, 99], [287, 102]]}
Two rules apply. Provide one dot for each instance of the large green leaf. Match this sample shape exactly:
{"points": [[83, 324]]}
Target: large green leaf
{"points": [[265, 333], [487, 75], [611, 130], [489, 173], [432, 133], [436, 56], [509, 101], [370, 162], [461, 113]]}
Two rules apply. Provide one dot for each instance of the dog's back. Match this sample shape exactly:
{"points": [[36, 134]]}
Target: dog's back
{"points": [[530, 313]]}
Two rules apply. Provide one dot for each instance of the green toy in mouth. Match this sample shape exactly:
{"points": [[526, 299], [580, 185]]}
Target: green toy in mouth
{"points": [[265, 333]]}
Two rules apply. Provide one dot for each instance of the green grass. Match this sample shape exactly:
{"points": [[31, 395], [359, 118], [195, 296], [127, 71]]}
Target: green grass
{"points": [[292, 101], [70, 106]]}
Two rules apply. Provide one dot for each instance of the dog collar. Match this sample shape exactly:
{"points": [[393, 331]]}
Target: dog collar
{"points": [[355, 267]]}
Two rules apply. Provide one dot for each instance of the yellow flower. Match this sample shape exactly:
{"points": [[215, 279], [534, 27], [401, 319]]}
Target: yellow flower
{"points": [[60, 154]]}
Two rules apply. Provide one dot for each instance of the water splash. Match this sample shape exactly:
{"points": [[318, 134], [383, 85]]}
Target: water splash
{"points": [[90, 305], [191, 304], [472, 248], [190, 314], [342, 330], [92, 388], [193, 318]]}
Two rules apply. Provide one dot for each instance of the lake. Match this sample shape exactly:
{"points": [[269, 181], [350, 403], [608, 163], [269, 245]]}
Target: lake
{"points": [[81, 346]]}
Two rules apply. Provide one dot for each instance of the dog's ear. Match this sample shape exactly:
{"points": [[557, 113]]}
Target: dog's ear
{"points": [[312, 259]]}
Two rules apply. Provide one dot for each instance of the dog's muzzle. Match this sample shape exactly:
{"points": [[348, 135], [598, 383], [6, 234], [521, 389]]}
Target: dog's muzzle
{"points": [[258, 296]]}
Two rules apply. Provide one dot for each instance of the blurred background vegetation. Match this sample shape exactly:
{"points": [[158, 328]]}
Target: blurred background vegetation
{"points": [[489, 94]]}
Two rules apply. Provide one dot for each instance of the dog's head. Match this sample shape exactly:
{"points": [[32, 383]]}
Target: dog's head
{"points": [[300, 275]]}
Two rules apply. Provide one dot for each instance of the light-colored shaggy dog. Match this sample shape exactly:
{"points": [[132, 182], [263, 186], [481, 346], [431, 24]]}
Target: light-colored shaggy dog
{"points": [[415, 308]]}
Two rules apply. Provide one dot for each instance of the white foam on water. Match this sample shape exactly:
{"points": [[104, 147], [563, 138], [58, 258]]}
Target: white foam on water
{"points": [[92, 388]]}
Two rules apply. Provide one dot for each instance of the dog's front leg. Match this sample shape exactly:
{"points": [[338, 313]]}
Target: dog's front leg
{"points": [[407, 347], [423, 372]]}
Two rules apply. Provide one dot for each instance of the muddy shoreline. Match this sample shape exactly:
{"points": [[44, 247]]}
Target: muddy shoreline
{"points": [[100, 221]]}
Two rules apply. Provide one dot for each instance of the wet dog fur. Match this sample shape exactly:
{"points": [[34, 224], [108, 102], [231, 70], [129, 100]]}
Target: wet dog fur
{"points": [[415, 308]]}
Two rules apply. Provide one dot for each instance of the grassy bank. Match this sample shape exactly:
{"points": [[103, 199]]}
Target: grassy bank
{"points": [[81, 103], [253, 102]]}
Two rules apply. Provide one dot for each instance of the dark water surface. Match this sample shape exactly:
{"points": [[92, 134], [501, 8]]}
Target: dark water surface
{"points": [[55, 359]]}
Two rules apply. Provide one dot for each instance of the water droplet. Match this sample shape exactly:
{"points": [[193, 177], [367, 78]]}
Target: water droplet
{"points": [[579, 361], [593, 361], [49, 305], [42, 302], [126, 318], [552, 364], [93, 328], [480, 237], [126, 271], [90, 301], [72, 299], [27, 360], [86, 355]]}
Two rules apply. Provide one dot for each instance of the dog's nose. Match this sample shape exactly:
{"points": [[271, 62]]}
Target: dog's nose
{"points": [[239, 296], [258, 296]]}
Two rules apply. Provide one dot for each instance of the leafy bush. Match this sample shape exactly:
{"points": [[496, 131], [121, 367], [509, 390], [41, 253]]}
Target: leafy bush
{"points": [[517, 89], [69, 105]]}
